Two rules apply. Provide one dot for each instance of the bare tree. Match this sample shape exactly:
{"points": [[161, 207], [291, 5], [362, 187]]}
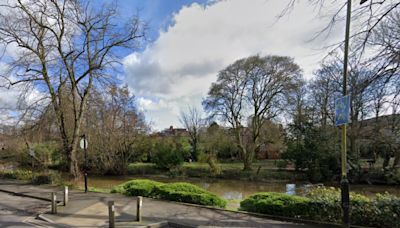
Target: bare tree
{"points": [[323, 88], [192, 121], [113, 125], [251, 89], [64, 47]]}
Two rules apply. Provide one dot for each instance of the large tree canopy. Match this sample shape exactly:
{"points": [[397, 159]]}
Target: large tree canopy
{"points": [[250, 92]]}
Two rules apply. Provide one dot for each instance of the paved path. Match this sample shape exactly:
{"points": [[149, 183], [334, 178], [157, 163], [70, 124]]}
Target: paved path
{"points": [[16, 211], [90, 210]]}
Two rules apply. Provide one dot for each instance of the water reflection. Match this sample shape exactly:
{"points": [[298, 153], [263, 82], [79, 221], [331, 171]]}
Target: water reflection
{"points": [[291, 189]]}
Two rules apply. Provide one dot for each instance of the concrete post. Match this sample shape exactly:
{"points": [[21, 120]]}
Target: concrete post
{"points": [[111, 214], [65, 195], [139, 208], [53, 203]]}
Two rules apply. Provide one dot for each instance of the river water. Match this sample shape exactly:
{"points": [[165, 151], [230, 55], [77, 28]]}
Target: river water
{"points": [[239, 189]]}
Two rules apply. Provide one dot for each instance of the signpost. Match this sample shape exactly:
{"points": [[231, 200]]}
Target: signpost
{"points": [[342, 110], [84, 144]]}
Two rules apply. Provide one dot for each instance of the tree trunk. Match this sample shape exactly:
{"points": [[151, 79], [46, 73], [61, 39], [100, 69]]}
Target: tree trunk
{"points": [[396, 163], [73, 164], [248, 161], [194, 150], [247, 164], [386, 162]]}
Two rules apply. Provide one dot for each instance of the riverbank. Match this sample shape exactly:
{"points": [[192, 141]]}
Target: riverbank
{"points": [[265, 170], [262, 171], [91, 210], [380, 201], [233, 190]]}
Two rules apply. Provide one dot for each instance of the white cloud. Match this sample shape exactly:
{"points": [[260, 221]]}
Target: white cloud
{"points": [[177, 69]]}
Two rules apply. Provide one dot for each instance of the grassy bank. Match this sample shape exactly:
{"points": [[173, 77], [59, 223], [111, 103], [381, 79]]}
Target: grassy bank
{"points": [[266, 170]]}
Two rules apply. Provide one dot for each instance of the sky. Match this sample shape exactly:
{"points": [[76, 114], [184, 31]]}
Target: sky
{"points": [[190, 41]]}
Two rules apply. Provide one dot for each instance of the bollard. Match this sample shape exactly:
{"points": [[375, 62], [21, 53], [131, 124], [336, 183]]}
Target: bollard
{"points": [[65, 195], [53, 203], [139, 209], [111, 214]]}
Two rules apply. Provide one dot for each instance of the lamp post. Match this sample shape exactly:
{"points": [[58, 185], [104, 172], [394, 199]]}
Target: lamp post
{"points": [[83, 144], [344, 183]]}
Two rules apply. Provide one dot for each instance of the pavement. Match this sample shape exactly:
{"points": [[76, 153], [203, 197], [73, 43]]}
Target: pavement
{"points": [[17, 211], [91, 210]]}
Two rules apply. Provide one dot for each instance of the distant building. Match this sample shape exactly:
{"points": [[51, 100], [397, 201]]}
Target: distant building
{"points": [[386, 126], [173, 132]]}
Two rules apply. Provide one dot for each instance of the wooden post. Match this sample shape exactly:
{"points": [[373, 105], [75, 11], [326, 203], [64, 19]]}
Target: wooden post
{"points": [[65, 195], [53, 203], [139, 208], [111, 214]]}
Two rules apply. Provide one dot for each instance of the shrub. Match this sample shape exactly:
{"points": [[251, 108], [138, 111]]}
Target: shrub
{"points": [[34, 178], [188, 193], [48, 152], [46, 178], [118, 189], [180, 192], [281, 164], [16, 174], [385, 211], [139, 187], [168, 155], [273, 203], [323, 204], [326, 203]]}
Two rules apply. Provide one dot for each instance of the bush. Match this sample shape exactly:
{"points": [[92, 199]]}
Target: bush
{"points": [[16, 174], [34, 178], [189, 193], [326, 203], [168, 155], [281, 164], [180, 192], [273, 203], [323, 204], [46, 178], [316, 154], [385, 211], [139, 187]]}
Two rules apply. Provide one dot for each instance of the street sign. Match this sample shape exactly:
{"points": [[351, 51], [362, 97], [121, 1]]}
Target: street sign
{"points": [[83, 144], [342, 110]]}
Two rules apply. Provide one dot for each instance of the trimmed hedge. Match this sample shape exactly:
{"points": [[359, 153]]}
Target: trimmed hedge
{"points": [[323, 204], [139, 187], [273, 203], [189, 193], [180, 192]]}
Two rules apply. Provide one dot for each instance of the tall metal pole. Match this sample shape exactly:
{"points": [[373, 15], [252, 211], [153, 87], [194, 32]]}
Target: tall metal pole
{"points": [[86, 166], [344, 184]]}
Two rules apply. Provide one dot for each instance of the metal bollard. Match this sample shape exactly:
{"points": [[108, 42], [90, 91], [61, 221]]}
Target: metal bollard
{"points": [[65, 195], [139, 208], [111, 214], [53, 203]]}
